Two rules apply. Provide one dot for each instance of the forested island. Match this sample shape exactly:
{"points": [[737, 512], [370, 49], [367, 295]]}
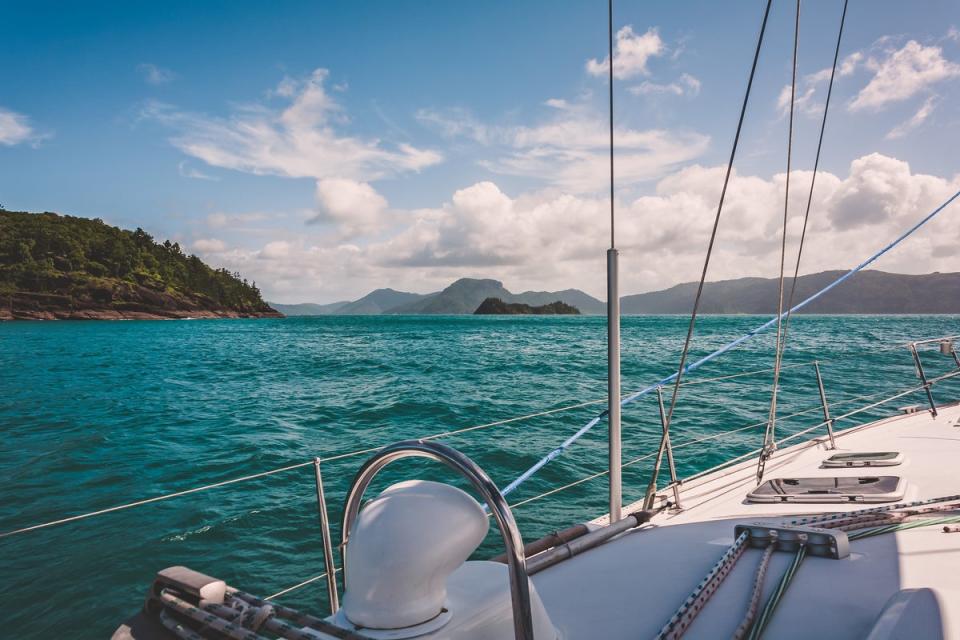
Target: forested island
{"points": [[63, 267], [496, 306]]}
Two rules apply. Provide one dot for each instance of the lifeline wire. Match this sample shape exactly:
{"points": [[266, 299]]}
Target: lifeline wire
{"points": [[729, 346]]}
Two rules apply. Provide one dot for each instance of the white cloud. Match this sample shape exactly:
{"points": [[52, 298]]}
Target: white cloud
{"points": [[15, 129], [276, 250], [355, 206], [902, 74], [573, 154], [209, 245], [570, 150], [155, 75], [807, 100], [553, 240], [220, 220], [850, 63], [685, 85], [187, 171], [914, 121], [631, 53], [458, 123], [298, 141]]}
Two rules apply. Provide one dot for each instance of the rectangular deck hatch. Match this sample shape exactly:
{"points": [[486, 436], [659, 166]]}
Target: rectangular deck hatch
{"points": [[850, 489], [864, 459]]}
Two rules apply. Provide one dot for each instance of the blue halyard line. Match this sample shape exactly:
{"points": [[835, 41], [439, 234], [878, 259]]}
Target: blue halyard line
{"points": [[526, 475]]}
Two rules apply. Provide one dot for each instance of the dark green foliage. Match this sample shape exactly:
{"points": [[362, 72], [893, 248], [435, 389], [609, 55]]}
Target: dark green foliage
{"points": [[50, 253], [496, 306]]}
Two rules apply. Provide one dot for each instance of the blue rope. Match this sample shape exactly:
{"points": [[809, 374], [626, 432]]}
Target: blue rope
{"points": [[526, 475]]}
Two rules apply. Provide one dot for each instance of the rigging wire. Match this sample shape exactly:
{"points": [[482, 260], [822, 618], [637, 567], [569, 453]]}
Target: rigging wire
{"points": [[816, 165], [733, 344], [768, 436], [713, 237], [806, 216]]}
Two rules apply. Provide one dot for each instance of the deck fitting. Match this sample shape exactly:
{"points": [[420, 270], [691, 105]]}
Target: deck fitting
{"points": [[826, 543]]}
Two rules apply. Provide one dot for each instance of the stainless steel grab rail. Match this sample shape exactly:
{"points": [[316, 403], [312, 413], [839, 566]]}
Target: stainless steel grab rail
{"points": [[517, 565]]}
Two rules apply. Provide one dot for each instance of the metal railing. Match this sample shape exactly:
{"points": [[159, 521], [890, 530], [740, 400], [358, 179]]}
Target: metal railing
{"points": [[481, 482], [945, 344], [946, 347]]}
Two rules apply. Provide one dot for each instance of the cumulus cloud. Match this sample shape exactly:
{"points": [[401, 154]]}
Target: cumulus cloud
{"points": [[355, 206], [548, 239], [570, 149], [902, 74], [631, 53], [15, 128], [300, 140], [276, 250], [155, 75], [914, 121], [209, 245]]}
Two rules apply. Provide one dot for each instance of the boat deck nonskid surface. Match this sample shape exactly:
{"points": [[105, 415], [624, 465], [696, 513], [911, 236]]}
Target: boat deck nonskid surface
{"points": [[631, 586]]}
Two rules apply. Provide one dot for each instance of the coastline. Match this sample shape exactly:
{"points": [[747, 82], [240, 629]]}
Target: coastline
{"points": [[96, 314], [42, 307]]}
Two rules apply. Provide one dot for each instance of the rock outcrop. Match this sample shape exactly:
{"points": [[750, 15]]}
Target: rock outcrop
{"points": [[496, 306]]}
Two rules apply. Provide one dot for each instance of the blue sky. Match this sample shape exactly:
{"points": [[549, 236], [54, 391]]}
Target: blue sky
{"points": [[324, 149]]}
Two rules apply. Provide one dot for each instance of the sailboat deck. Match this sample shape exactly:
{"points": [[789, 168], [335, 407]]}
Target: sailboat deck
{"points": [[630, 587]]}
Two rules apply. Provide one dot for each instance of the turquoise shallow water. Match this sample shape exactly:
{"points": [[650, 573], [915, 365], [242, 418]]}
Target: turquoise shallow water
{"points": [[97, 414]]}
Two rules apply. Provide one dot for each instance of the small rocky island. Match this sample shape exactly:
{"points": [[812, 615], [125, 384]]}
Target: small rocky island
{"points": [[55, 267], [496, 306]]}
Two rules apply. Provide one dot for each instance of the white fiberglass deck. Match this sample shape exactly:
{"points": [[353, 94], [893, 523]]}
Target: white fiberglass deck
{"points": [[629, 588]]}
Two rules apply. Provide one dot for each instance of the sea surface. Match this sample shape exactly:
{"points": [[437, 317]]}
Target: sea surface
{"points": [[97, 414]]}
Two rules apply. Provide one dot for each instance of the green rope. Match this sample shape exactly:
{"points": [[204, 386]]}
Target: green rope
{"points": [[773, 601], [761, 622], [903, 526]]}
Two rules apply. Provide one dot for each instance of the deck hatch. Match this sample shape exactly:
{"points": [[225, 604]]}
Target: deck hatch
{"points": [[864, 459], [830, 489]]}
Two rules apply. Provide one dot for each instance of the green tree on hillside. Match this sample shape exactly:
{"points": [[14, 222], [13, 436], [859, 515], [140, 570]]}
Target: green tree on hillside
{"points": [[41, 252]]}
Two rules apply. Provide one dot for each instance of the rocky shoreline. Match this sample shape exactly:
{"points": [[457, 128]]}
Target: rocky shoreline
{"points": [[158, 306]]}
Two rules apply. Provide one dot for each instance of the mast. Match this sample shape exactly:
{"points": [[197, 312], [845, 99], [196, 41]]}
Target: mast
{"points": [[613, 321]]}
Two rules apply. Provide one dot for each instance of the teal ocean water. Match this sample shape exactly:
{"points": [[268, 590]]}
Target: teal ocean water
{"points": [[102, 413]]}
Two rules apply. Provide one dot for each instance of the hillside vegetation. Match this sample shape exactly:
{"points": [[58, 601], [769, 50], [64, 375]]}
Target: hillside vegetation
{"points": [[54, 266], [496, 306]]}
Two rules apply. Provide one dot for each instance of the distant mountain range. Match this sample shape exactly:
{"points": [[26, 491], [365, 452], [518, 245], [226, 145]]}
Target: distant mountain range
{"points": [[864, 293], [461, 297]]}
